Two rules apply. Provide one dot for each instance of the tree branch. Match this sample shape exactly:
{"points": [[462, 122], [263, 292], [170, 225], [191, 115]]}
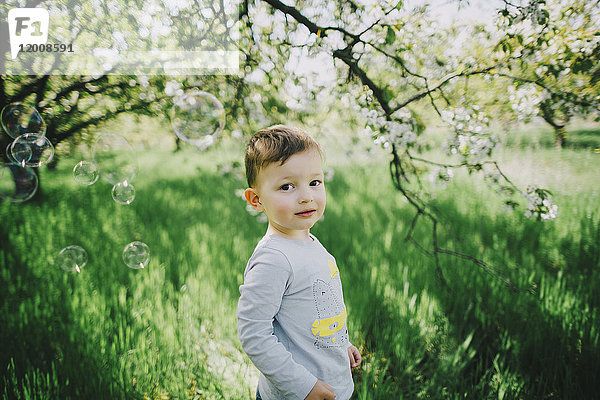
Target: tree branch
{"points": [[93, 121], [443, 82], [573, 97]]}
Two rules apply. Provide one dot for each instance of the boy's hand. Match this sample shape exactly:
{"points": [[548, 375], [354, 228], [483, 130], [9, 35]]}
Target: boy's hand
{"points": [[321, 391], [354, 356]]}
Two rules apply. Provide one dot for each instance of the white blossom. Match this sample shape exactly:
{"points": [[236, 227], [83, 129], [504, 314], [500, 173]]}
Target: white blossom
{"points": [[398, 132], [172, 87], [540, 204], [468, 138], [526, 99]]}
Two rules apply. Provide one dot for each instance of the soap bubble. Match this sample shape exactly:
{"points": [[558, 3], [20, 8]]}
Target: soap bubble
{"points": [[17, 183], [22, 150], [136, 255], [18, 119], [115, 158], [72, 258], [198, 118], [40, 150], [86, 173], [9, 156], [123, 193]]}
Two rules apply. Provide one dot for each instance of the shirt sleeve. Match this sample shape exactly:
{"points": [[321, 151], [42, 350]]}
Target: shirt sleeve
{"points": [[265, 281]]}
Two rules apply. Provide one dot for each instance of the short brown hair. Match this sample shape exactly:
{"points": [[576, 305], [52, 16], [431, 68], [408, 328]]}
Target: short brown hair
{"points": [[276, 143]]}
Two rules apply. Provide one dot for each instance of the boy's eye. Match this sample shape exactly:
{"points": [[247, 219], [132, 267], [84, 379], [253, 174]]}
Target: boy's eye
{"points": [[286, 187], [316, 182]]}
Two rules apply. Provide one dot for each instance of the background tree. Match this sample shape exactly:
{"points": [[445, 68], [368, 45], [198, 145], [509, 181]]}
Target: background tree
{"points": [[75, 106], [554, 47]]}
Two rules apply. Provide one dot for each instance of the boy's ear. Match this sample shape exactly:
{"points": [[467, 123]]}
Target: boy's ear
{"points": [[253, 199]]}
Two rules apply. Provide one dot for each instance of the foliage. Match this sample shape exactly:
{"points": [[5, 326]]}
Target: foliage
{"points": [[555, 51], [76, 106]]}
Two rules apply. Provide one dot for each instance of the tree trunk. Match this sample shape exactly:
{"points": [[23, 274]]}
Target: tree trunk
{"points": [[561, 136], [549, 115], [26, 188]]}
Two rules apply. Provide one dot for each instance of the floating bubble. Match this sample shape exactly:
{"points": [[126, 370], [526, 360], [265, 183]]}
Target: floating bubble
{"points": [[17, 183], [115, 158], [198, 118], [136, 255], [23, 152], [40, 150], [9, 156], [18, 119], [86, 173], [123, 193], [72, 258]]}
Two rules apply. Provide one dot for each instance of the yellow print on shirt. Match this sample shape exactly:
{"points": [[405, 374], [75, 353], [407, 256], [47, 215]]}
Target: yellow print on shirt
{"points": [[333, 268], [329, 327]]}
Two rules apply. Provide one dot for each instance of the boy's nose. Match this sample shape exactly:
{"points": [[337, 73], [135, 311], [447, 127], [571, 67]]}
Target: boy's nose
{"points": [[305, 196]]}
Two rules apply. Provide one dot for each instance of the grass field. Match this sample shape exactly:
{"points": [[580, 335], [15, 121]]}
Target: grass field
{"points": [[169, 331]]}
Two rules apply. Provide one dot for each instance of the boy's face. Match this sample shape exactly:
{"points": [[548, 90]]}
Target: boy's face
{"points": [[292, 195]]}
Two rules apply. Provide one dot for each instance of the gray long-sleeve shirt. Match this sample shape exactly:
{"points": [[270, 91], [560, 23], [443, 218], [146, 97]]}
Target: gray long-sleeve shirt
{"points": [[292, 319]]}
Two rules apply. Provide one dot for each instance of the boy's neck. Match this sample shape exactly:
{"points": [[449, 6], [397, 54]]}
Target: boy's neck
{"points": [[303, 236]]}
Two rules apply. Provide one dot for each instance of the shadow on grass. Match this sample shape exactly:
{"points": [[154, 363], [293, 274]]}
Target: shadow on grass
{"points": [[205, 222], [52, 344], [43, 355], [551, 338], [547, 343]]}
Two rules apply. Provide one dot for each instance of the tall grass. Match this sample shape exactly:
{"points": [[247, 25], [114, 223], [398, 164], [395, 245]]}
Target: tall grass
{"points": [[169, 330]]}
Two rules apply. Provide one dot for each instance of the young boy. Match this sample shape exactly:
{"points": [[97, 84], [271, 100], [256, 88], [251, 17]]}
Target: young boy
{"points": [[291, 313]]}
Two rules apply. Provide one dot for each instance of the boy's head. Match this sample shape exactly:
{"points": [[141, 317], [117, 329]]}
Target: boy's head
{"points": [[285, 178], [275, 144]]}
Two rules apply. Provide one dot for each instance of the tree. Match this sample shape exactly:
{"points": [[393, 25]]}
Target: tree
{"points": [[74, 106], [554, 47]]}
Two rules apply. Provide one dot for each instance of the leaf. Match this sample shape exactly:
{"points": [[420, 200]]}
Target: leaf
{"points": [[595, 79], [520, 39], [582, 65], [390, 36], [388, 94], [511, 204]]}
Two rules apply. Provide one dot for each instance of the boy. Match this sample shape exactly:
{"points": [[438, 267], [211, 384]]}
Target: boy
{"points": [[291, 313]]}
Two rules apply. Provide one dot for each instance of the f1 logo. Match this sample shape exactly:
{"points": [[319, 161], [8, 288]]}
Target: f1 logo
{"points": [[27, 26]]}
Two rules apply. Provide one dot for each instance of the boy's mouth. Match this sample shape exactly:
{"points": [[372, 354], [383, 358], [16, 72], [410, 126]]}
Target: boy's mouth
{"points": [[306, 213]]}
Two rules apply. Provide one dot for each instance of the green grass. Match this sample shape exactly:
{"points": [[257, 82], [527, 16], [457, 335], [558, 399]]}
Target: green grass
{"points": [[581, 136], [169, 330]]}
